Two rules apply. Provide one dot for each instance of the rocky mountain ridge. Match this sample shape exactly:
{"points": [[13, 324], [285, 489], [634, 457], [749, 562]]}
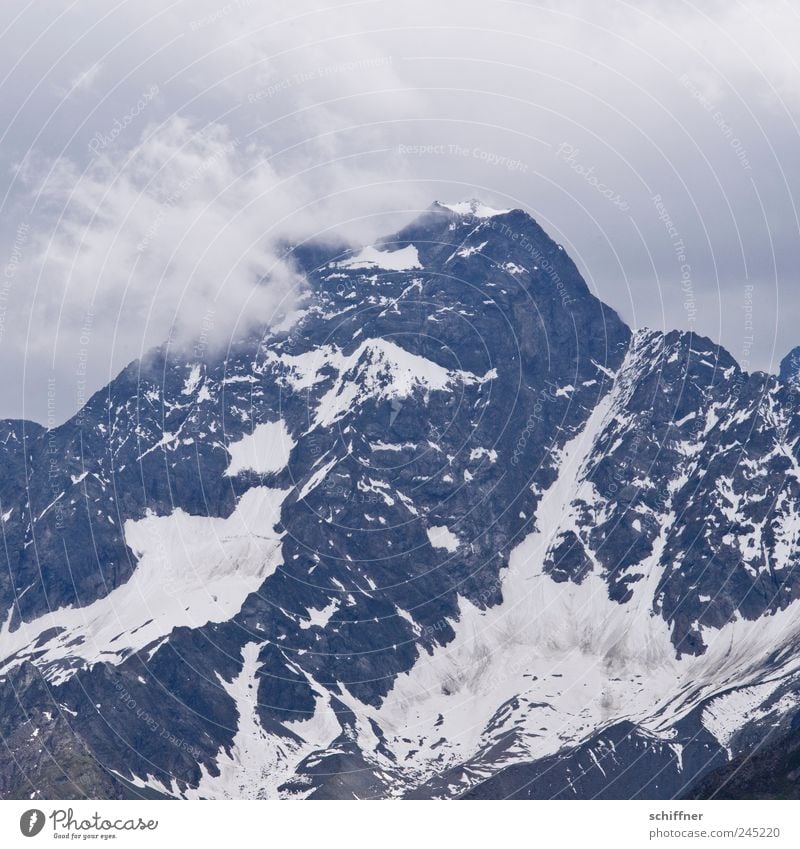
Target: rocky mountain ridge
{"points": [[457, 531]]}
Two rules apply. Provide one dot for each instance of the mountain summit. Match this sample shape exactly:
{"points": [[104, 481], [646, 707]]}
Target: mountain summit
{"points": [[458, 532]]}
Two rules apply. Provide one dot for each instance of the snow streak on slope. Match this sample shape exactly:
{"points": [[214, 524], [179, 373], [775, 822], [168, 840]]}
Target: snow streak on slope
{"points": [[378, 369], [555, 662], [455, 694], [726, 713], [672, 514], [474, 207], [381, 370], [404, 259], [192, 570], [260, 761]]}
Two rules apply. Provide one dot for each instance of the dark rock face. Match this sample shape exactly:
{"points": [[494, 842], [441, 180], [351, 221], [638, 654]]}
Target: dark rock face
{"points": [[790, 367], [601, 769], [457, 531], [770, 770]]}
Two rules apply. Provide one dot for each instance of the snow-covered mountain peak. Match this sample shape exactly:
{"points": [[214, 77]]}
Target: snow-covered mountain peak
{"points": [[454, 529], [474, 207]]}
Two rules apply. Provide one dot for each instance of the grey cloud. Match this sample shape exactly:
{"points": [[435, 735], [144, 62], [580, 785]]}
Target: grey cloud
{"points": [[350, 117]]}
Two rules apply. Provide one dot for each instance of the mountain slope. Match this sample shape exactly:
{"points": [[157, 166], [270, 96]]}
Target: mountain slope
{"points": [[457, 531]]}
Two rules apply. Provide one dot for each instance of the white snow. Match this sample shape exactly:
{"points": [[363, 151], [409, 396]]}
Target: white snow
{"points": [[260, 761], [474, 207], [467, 252], [320, 618], [316, 478], [441, 536], [303, 370], [382, 370], [191, 570], [554, 662], [192, 381], [265, 450], [403, 259], [379, 445], [477, 453], [727, 713]]}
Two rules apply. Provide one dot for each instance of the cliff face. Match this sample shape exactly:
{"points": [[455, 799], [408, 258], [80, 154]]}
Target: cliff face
{"points": [[457, 531]]}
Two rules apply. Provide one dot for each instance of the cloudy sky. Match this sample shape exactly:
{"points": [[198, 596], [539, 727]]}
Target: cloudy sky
{"points": [[155, 154]]}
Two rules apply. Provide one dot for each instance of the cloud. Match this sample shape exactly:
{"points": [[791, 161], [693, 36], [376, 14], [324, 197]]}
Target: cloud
{"points": [[297, 119], [181, 224], [182, 236], [85, 78], [170, 239]]}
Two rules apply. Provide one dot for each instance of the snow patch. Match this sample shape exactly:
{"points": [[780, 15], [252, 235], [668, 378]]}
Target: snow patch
{"points": [[477, 453], [442, 537], [556, 661], [320, 618], [370, 257], [382, 370], [192, 570], [259, 761], [265, 450], [191, 381], [474, 207], [727, 713]]}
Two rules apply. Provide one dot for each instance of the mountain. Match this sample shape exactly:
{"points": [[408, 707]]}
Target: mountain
{"points": [[454, 532]]}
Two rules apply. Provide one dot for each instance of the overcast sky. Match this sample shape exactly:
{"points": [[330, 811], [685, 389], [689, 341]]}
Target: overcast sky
{"points": [[154, 154]]}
